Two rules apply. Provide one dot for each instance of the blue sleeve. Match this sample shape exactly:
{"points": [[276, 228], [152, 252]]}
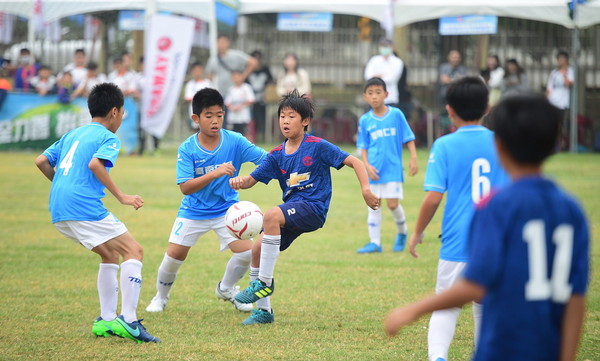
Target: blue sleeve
{"points": [[109, 151], [485, 242], [251, 153], [331, 155], [266, 170], [185, 166], [53, 152], [407, 133], [363, 139], [580, 265], [436, 176]]}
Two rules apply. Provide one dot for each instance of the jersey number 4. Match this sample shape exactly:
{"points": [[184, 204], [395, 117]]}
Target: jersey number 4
{"points": [[539, 287], [67, 162]]}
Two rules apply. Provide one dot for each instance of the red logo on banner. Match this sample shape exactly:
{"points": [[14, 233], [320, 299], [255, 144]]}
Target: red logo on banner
{"points": [[164, 43]]}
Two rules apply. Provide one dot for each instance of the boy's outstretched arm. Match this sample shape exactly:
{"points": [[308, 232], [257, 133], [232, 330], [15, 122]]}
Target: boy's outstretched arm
{"points": [[428, 208], [412, 164], [361, 173], [44, 166], [243, 182], [572, 323], [460, 293], [194, 185], [96, 165]]}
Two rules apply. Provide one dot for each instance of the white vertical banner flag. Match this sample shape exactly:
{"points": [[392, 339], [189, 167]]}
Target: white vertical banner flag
{"points": [[38, 17], [387, 23], [7, 22], [90, 27], [167, 45], [54, 31]]}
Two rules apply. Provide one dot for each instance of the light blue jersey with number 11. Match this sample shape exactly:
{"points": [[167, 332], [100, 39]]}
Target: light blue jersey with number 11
{"points": [[76, 193], [465, 165]]}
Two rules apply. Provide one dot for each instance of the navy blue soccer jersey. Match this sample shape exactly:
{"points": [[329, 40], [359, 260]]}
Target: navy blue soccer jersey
{"points": [[303, 175], [529, 249], [76, 193]]}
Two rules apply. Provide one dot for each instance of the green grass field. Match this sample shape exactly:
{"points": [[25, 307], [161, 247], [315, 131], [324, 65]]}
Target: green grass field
{"points": [[330, 301]]}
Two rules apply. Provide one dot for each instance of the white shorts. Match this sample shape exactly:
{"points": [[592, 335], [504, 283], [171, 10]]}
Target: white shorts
{"points": [[186, 232], [391, 190], [92, 233], [448, 273]]}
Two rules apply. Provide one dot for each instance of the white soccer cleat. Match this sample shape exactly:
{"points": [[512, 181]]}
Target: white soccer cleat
{"points": [[229, 295], [158, 304]]}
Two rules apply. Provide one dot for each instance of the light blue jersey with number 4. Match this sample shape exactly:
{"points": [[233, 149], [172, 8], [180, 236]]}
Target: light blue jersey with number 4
{"points": [[76, 193], [465, 165]]}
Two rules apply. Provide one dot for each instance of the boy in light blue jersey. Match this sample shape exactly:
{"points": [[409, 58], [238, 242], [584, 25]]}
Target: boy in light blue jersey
{"points": [[381, 133], [301, 165], [205, 163], [78, 165], [529, 249], [465, 165]]}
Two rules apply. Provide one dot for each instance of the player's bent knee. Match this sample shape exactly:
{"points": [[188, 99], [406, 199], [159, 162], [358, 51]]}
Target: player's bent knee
{"points": [[273, 216]]}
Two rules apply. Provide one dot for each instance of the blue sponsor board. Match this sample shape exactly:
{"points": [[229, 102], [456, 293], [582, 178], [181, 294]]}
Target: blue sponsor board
{"points": [[468, 25], [304, 21], [33, 121]]}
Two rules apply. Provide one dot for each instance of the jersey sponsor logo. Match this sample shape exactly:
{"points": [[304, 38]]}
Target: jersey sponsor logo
{"points": [[297, 179], [209, 168], [307, 161], [384, 132]]}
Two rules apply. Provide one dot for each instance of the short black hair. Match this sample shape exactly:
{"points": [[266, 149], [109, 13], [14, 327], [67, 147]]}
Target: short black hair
{"points": [[206, 98], [375, 82], [80, 50], [301, 104], [92, 66], [103, 98], [528, 126], [562, 52], [469, 97]]}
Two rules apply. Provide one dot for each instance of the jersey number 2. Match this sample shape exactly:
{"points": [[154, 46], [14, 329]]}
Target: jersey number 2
{"points": [[67, 162], [539, 287]]}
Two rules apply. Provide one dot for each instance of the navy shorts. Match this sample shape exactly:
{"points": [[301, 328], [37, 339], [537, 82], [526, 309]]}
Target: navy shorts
{"points": [[300, 217]]}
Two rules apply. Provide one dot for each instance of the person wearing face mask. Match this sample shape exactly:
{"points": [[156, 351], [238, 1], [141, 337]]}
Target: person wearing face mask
{"points": [[388, 67], [26, 70]]}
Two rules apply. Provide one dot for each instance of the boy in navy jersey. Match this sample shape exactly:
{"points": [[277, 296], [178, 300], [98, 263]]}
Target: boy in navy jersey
{"points": [[381, 133], [301, 166], [78, 165], [205, 162], [529, 248]]}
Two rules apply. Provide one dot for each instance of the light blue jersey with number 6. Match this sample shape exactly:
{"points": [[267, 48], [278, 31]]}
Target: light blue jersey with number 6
{"points": [[76, 193], [465, 165]]}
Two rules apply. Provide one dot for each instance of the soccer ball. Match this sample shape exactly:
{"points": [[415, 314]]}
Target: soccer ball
{"points": [[244, 220]]}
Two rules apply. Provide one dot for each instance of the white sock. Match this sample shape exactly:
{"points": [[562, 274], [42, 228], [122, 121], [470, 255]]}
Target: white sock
{"points": [[400, 219], [108, 290], [265, 302], [441, 332], [131, 284], [268, 257], [374, 223], [167, 273], [238, 265], [477, 314]]}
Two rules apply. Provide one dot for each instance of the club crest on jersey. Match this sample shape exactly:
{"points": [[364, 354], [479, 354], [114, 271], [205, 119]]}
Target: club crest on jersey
{"points": [[307, 161], [297, 179]]}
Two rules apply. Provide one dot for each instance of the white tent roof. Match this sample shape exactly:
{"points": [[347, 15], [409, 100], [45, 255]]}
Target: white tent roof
{"points": [[405, 11]]}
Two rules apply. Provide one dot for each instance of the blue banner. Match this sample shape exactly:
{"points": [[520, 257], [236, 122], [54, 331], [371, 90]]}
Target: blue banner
{"points": [[33, 121], [469, 25], [305, 22]]}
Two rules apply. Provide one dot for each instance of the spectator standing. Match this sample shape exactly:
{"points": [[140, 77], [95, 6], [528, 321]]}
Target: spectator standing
{"points": [[238, 101], [122, 77], [219, 68], [449, 71], [65, 88], [259, 79], [197, 82], [92, 78], [26, 70], [292, 77], [515, 79], [558, 91], [388, 67], [44, 82], [77, 68], [494, 76]]}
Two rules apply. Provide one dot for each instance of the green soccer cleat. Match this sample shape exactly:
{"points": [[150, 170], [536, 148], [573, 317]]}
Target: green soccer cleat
{"points": [[133, 330], [257, 290], [102, 328], [259, 316]]}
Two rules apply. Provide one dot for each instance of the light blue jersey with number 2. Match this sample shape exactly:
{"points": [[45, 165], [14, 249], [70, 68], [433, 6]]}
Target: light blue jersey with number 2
{"points": [[76, 193], [465, 165]]}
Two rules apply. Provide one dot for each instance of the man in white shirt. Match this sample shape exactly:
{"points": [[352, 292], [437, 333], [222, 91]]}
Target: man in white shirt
{"points": [[388, 67]]}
